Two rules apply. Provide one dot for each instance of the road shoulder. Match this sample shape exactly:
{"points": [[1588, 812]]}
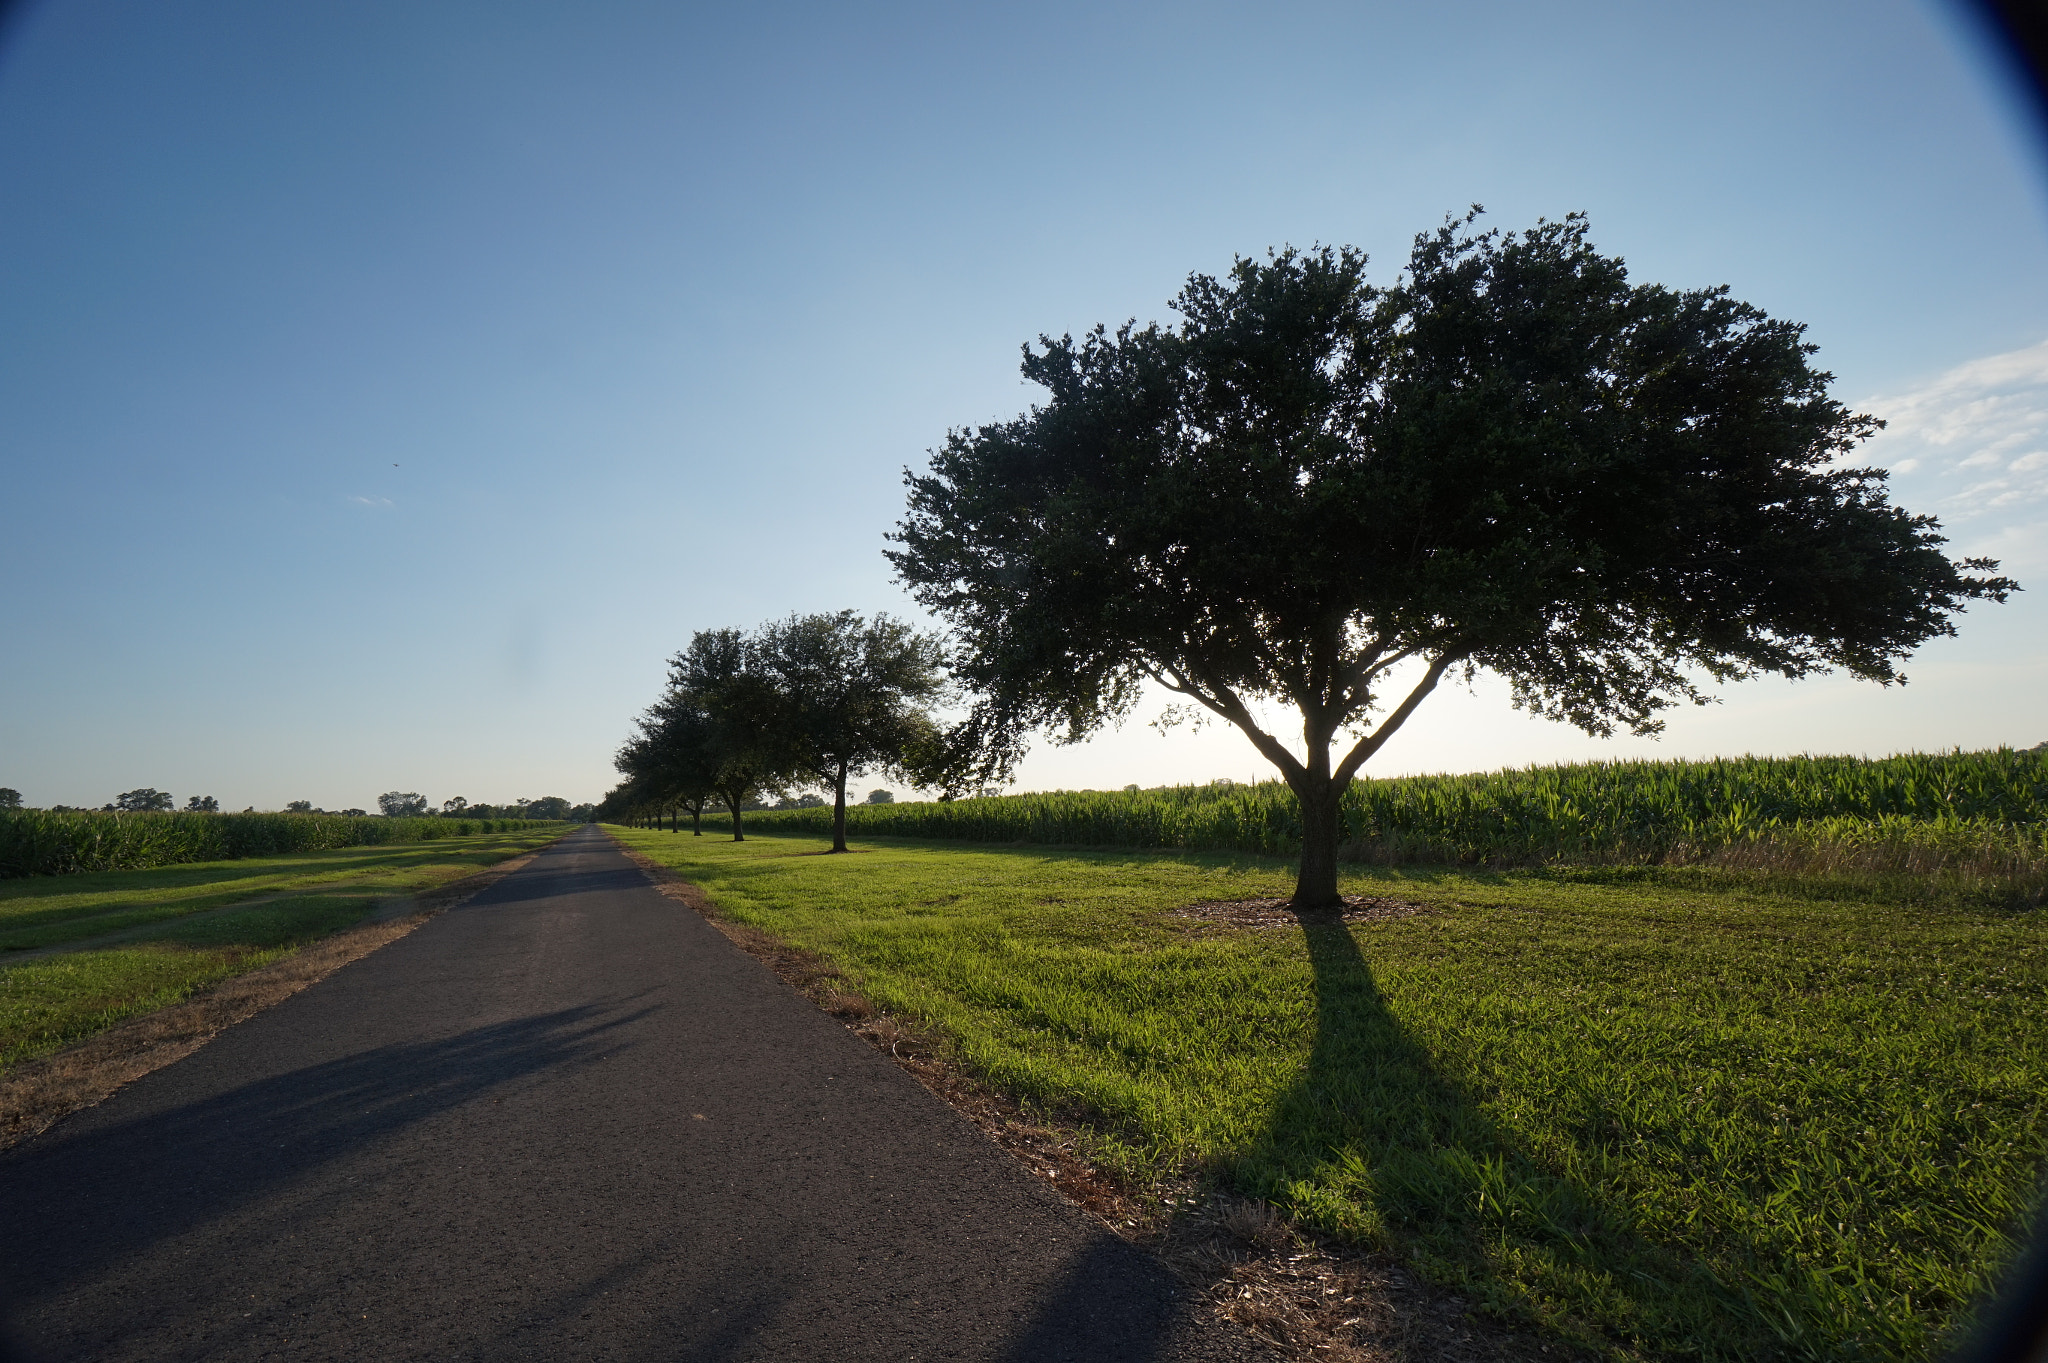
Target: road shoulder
{"points": [[36, 1094]]}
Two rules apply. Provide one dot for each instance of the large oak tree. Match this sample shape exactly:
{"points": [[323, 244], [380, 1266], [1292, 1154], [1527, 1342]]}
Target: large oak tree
{"points": [[1511, 459]]}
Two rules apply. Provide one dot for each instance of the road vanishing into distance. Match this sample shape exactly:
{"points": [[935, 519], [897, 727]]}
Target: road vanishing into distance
{"points": [[565, 1120]]}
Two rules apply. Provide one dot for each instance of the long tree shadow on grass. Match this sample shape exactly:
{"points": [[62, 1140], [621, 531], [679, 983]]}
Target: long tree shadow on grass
{"points": [[1376, 1141]]}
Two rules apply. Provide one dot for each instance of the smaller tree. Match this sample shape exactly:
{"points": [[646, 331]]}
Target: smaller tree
{"points": [[669, 765], [454, 806], [299, 807], [202, 804], [146, 800], [356, 813], [548, 807], [10, 798], [848, 695], [408, 804], [881, 797], [715, 687]]}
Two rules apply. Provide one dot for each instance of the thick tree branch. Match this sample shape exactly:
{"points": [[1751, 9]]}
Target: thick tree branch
{"points": [[1226, 703], [1370, 744]]}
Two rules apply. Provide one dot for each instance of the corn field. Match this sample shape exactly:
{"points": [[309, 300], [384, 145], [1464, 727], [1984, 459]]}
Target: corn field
{"points": [[36, 842], [1975, 813]]}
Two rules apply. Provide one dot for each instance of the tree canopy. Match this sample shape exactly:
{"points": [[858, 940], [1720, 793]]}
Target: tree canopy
{"points": [[672, 764], [846, 695], [714, 728], [1328, 494]]}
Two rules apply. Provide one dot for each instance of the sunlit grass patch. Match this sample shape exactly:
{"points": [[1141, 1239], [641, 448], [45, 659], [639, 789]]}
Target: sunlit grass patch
{"points": [[192, 936], [46, 911], [1660, 1113], [48, 1003]]}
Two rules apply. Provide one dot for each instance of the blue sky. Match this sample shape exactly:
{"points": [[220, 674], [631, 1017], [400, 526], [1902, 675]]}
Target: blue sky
{"points": [[389, 388]]}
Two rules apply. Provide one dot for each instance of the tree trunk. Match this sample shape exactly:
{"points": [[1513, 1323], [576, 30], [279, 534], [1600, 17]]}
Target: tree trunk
{"points": [[697, 819], [673, 815], [1316, 885], [839, 811], [737, 835]]}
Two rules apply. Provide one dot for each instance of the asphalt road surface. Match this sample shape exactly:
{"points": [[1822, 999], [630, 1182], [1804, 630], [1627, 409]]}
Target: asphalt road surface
{"points": [[566, 1120]]}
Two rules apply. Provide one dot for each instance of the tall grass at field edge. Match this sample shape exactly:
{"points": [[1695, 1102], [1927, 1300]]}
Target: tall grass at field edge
{"points": [[35, 842], [1979, 819]]}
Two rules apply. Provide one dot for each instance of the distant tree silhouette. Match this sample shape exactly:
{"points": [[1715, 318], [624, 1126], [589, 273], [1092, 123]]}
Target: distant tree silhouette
{"points": [[721, 724], [847, 695]]}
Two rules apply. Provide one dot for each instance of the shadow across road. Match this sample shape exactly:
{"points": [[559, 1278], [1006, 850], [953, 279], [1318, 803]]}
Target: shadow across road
{"points": [[101, 1195], [543, 881], [1116, 1304]]}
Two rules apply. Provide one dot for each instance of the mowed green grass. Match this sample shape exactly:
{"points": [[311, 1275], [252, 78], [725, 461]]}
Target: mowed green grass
{"points": [[1666, 1116], [52, 999]]}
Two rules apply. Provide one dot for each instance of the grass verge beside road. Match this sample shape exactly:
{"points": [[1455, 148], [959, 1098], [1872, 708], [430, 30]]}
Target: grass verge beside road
{"points": [[181, 929], [1652, 1114]]}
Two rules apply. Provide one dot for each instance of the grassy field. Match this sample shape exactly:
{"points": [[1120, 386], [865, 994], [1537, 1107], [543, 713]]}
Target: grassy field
{"points": [[1976, 821], [1655, 1112], [183, 928]]}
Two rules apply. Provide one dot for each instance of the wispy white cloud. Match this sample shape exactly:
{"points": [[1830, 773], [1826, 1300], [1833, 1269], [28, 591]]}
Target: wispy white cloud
{"points": [[371, 501], [1974, 440]]}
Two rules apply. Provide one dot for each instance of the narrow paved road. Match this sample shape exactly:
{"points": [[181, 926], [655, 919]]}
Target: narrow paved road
{"points": [[566, 1120]]}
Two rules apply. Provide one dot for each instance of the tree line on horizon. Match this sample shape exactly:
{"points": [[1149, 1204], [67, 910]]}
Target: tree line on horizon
{"points": [[392, 804], [1332, 496]]}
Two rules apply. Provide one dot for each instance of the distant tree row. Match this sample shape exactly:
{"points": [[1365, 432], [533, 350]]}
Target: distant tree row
{"points": [[810, 701], [392, 804], [143, 800], [410, 804], [547, 807]]}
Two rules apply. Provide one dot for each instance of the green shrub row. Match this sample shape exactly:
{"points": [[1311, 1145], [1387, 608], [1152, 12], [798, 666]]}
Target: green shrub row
{"points": [[35, 842], [1930, 808]]}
